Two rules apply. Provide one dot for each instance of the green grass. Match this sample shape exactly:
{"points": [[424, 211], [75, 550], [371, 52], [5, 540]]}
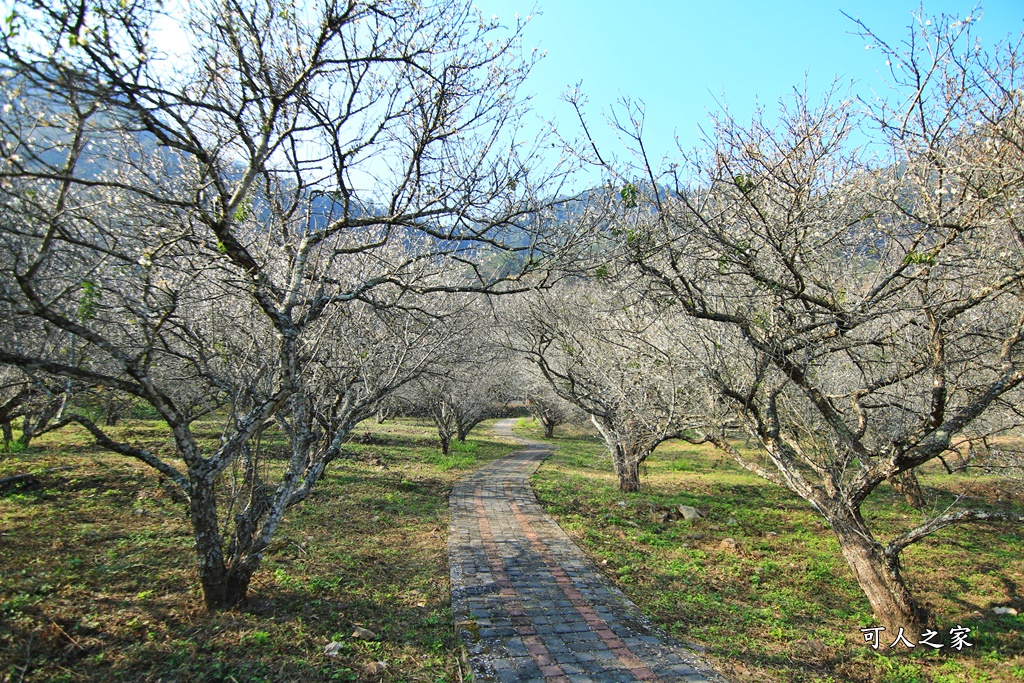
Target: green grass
{"points": [[782, 606], [461, 456], [99, 582]]}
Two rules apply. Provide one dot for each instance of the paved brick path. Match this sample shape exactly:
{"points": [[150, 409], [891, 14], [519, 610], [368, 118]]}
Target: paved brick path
{"points": [[528, 605]]}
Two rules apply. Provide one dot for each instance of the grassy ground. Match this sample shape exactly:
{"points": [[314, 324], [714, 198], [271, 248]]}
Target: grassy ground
{"points": [[98, 579], [98, 582], [782, 605]]}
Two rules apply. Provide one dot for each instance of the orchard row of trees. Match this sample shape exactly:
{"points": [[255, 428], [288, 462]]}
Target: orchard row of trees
{"points": [[841, 287], [272, 227], [308, 218]]}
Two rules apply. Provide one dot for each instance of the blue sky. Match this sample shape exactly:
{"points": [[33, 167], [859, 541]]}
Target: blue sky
{"points": [[683, 58]]}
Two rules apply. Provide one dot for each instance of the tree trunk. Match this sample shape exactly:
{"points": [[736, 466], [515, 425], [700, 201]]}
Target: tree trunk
{"points": [[906, 483], [8, 434], [220, 591], [236, 587], [225, 591], [112, 412], [549, 427], [35, 422], [625, 458], [628, 470], [444, 419], [465, 426], [879, 577]]}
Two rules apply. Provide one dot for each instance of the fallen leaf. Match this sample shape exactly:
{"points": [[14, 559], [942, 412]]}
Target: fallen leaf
{"points": [[363, 633]]}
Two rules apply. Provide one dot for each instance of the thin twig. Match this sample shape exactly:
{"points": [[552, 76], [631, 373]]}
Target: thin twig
{"points": [[28, 658], [65, 634]]}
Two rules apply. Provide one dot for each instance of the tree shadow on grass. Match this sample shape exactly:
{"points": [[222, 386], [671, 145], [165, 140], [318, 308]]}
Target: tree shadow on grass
{"points": [[105, 587], [279, 635]]}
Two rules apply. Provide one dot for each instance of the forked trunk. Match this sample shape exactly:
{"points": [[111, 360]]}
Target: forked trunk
{"points": [[626, 457], [226, 591], [549, 428], [222, 589], [464, 427], [879, 577], [444, 419]]}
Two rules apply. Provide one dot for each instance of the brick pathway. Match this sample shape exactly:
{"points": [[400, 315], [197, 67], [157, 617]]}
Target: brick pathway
{"points": [[528, 605]]}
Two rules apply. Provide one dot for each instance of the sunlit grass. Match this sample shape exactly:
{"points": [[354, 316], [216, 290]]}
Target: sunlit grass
{"points": [[99, 581], [782, 605]]}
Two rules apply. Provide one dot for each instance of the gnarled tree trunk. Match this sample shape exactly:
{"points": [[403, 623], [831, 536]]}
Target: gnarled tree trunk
{"points": [[628, 470], [548, 424], [626, 455], [878, 575], [225, 583], [213, 574], [464, 426]]}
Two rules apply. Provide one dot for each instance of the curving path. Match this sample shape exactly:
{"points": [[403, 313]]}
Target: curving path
{"points": [[528, 605]]}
